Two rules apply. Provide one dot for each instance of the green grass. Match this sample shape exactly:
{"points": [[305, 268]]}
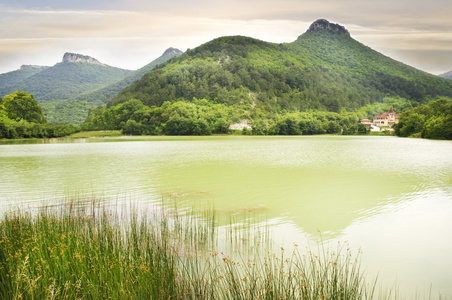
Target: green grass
{"points": [[86, 250], [101, 133]]}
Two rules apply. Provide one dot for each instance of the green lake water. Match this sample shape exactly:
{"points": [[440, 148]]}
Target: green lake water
{"points": [[389, 197]]}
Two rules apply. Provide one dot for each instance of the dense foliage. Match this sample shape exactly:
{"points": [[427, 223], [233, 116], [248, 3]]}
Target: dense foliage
{"points": [[7, 80], [23, 106], [319, 71], [22, 117], [202, 117], [107, 93], [179, 118], [66, 111], [431, 121]]}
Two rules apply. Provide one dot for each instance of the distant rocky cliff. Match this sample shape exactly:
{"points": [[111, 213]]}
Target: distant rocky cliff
{"points": [[325, 24], [73, 57], [25, 67], [172, 51]]}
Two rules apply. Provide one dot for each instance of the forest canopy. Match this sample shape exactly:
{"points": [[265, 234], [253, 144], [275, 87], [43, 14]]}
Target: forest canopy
{"points": [[431, 121], [202, 117]]}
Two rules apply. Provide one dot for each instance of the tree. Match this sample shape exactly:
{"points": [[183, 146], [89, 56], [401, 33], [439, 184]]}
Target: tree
{"points": [[362, 128], [23, 106], [438, 127], [410, 124], [221, 125], [333, 127], [132, 127], [432, 121]]}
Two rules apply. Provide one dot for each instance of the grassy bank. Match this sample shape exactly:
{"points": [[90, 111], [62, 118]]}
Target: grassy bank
{"points": [[90, 251], [100, 133]]}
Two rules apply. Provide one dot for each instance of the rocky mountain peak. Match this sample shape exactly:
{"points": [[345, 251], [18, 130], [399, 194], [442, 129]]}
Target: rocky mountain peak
{"points": [[322, 24], [172, 51], [73, 57]]}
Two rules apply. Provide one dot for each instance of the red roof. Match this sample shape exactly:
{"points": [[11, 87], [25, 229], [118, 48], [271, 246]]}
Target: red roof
{"points": [[391, 111], [385, 115]]}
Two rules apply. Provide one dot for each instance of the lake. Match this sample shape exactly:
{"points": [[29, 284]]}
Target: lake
{"points": [[388, 196]]}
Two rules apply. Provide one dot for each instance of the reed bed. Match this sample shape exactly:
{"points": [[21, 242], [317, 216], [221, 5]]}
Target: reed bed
{"points": [[91, 251]]}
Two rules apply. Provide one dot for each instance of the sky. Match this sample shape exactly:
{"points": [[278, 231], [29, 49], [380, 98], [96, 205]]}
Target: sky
{"points": [[131, 33]]}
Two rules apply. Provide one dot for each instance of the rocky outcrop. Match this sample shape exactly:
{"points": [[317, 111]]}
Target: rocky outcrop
{"points": [[73, 57], [323, 24], [25, 67], [172, 51]]}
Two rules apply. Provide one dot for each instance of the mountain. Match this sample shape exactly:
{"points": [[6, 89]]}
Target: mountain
{"points": [[76, 109], [75, 75], [447, 75], [106, 94], [14, 77], [324, 69]]}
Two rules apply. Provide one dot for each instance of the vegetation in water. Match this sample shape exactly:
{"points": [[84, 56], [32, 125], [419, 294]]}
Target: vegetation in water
{"points": [[80, 250]]}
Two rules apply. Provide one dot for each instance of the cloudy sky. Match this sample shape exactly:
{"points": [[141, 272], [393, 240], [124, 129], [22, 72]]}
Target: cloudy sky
{"points": [[131, 33]]}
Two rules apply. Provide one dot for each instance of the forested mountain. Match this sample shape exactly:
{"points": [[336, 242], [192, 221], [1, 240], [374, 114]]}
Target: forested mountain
{"points": [[68, 79], [7, 80], [447, 75], [76, 109], [106, 94], [324, 69]]}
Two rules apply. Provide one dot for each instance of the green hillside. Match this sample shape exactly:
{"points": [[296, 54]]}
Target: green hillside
{"points": [[106, 94], [324, 69], [75, 110], [10, 79], [67, 80]]}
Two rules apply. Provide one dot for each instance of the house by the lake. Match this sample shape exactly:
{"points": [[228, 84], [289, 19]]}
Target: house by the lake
{"points": [[387, 119], [384, 120], [366, 122]]}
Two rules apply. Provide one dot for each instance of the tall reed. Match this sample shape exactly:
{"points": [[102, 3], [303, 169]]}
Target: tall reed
{"points": [[81, 250]]}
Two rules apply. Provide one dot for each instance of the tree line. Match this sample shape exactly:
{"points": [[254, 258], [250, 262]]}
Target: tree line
{"points": [[22, 117], [202, 117]]}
